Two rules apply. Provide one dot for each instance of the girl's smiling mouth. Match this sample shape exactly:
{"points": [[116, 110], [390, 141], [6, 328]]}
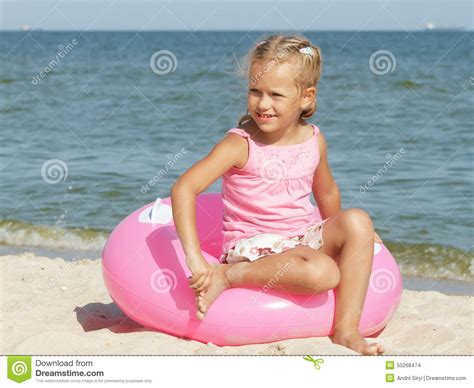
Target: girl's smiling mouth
{"points": [[265, 116]]}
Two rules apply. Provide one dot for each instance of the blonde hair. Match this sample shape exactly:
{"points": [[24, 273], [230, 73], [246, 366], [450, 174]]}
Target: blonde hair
{"points": [[277, 49]]}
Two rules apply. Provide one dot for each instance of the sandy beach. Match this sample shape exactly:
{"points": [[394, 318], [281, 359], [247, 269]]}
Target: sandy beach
{"points": [[51, 306]]}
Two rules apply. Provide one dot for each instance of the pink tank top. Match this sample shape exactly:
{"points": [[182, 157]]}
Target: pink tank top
{"points": [[271, 193]]}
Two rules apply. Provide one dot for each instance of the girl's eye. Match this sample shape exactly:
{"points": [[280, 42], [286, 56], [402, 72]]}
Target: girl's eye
{"points": [[257, 92]]}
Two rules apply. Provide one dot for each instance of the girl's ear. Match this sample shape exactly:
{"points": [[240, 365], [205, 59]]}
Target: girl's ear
{"points": [[308, 97], [310, 93]]}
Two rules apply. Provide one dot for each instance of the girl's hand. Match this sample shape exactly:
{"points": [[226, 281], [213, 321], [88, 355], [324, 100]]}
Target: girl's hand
{"points": [[201, 270], [377, 237]]}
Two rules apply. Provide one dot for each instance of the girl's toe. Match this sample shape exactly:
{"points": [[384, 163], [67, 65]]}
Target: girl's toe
{"points": [[378, 348], [373, 349]]}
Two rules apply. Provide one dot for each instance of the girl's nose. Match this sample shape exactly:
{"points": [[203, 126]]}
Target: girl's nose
{"points": [[264, 104]]}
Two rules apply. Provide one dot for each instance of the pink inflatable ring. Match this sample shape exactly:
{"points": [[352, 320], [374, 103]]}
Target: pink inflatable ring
{"points": [[145, 273]]}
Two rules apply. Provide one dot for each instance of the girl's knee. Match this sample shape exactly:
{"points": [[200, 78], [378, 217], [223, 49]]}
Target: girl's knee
{"points": [[324, 274], [356, 219]]}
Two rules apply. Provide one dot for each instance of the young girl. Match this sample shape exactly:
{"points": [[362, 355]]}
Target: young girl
{"points": [[270, 164]]}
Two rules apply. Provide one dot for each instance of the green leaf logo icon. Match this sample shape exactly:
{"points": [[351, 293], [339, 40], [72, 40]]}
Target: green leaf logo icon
{"points": [[316, 362], [19, 368]]}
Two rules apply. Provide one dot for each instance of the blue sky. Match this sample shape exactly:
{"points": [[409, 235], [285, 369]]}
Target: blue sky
{"points": [[234, 15]]}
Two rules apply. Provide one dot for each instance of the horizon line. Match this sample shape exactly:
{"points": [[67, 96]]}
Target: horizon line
{"points": [[441, 29]]}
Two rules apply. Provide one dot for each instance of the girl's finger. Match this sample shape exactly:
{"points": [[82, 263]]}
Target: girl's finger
{"points": [[199, 282], [206, 283], [195, 280], [204, 286], [192, 280]]}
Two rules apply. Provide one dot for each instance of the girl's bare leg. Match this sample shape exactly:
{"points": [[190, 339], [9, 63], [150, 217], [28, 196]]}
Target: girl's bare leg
{"points": [[298, 270], [349, 237]]}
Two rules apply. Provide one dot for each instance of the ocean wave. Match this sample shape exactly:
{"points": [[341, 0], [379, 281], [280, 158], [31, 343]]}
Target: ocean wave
{"points": [[420, 260], [433, 261], [18, 233]]}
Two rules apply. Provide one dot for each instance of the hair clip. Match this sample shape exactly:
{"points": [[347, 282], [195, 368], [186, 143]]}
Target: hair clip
{"points": [[306, 50], [262, 42]]}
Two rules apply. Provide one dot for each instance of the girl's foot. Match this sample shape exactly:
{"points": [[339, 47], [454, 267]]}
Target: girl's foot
{"points": [[218, 285], [353, 340]]}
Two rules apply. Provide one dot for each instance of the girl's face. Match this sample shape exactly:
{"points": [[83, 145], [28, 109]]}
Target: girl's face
{"points": [[273, 99]]}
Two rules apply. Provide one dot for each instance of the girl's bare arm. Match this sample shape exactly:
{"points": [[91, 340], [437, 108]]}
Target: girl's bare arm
{"points": [[230, 151], [325, 190]]}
